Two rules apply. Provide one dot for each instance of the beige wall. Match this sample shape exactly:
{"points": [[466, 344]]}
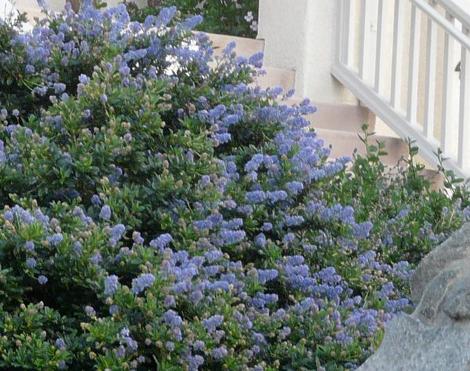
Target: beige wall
{"points": [[301, 35]]}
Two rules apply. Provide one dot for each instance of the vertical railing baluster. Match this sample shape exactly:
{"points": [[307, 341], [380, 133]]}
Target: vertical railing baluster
{"points": [[362, 37], [378, 47], [413, 72], [464, 117], [339, 31], [346, 32], [449, 120], [430, 93], [397, 54]]}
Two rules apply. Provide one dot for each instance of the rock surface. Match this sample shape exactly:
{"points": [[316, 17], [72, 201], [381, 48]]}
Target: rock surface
{"points": [[436, 336]]}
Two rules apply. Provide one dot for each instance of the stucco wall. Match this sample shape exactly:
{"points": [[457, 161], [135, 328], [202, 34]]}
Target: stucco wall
{"points": [[5, 8], [301, 35]]}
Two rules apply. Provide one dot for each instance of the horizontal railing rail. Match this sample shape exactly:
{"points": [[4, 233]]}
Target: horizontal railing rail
{"points": [[408, 61], [457, 11]]}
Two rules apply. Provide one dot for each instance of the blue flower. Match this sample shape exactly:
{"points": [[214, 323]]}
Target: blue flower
{"points": [[213, 255], [77, 248], [29, 69], [161, 242], [222, 138], [230, 237], [137, 238], [42, 279], [169, 301], [29, 246], [142, 282], [195, 362], [261, 300], [295, 187], [170, 346], [260, 240], [59, 87], [219, 353], [294, 220], [103, 98], [124, 70], [265, 275], [31, 263], [172, 318], [113, 309], [256, 197], [116, 233], [267, 227], [164, 17], [191, 22], [362, 230], [288, 238], [111, 284], [202, 224], [96, 258], [126, 339], [212, 323], [105, 212], [60, 343], [84, 79], [90, 311], [42, 3], [55, 239], [276, 196]]}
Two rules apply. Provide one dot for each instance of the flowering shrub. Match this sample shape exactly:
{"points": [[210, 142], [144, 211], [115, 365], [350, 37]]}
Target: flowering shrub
{"points": [[160, 213], [231, 17]]}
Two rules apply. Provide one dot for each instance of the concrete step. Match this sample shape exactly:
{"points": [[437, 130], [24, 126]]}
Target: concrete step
{"points": [[344, 143], [435, 177], [341, 117], [31, 9], [282, 77], [244, 46]]}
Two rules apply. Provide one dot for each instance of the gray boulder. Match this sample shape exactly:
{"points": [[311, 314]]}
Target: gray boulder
{"points": [[436, 336]]}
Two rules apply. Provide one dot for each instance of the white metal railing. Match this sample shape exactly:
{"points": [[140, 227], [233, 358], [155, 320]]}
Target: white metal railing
{"points": [[408, 61]]}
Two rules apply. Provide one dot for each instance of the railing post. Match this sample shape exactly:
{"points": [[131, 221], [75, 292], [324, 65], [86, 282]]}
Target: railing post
{"points": [[378, 45], [464, 117], [397, 54], [362, 38], [413, 74], [345, 31], [450, 98], [431, 59]]}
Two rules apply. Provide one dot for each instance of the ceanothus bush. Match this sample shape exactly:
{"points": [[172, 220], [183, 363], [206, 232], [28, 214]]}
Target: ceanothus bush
{"points": [[160, 211]]}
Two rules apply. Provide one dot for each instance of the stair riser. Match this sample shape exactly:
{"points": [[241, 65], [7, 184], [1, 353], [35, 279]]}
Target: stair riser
{"points": [[347, 118], [277, 77], [341, 117], [436, 179]]}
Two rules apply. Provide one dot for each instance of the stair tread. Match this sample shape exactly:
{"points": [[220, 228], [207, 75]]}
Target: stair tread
{"points": [[344, 143], [244, 46], [29, 7]]}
